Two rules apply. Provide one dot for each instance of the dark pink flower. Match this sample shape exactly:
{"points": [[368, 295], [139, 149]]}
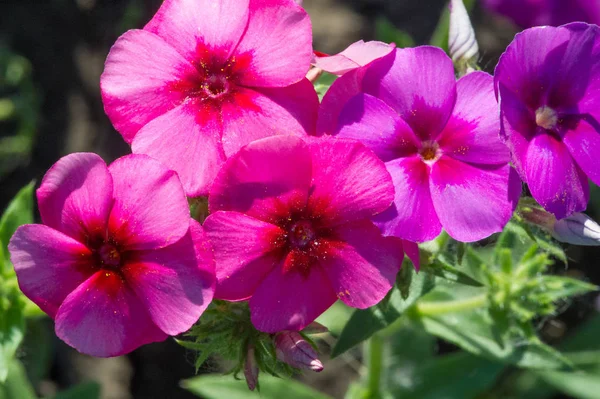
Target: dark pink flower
{"points": [[206, 77], [548, 84], [356, 55], [116, 263], [438, 138], [291, 230], [528, 13]]}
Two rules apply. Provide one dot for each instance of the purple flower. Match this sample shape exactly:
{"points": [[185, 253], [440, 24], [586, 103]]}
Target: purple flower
{"points": [[291, 230], [528, 13], [438, 138], [294, 350], [118, 263], [356, 55], [548, 84]]}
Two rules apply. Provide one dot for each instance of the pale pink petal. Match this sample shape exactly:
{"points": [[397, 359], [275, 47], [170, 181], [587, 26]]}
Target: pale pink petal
{"points": [[362, 265], [583, 143], [473, 131], [411, 249], [349, 181], [49, 264], [372, 122], [246, 250], [188, 141], [473, 202], [265, 180], [356, 55], [186, 23], [175, 283], [75, 196], [419, 84], [279, 39], [290, 300], [104, 318], [412, 215], [140, 79], [150, 209], [553, 177], [269, 111]]}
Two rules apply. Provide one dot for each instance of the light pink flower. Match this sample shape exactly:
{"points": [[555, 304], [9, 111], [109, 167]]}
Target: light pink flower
{"points": [[356, 55], [291, 230], [206, 77], [293, 349], [118, 263]]}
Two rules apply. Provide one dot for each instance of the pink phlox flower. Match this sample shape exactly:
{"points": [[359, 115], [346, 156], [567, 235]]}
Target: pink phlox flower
{"points": [[529, 13], [548, 85], [205, 77], [118, 263], [356, 55], [291, 230], [439, 141]]}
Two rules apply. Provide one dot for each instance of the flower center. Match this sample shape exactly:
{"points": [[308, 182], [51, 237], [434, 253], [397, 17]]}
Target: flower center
{"points": [[430, 151], [301, 234], [215, 85], [546, 118], [109, 256]]}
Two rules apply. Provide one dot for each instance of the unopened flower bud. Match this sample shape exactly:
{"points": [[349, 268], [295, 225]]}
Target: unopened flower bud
{"points": [[461, 40], [251, 369], [315, 328], [292, 349], [577, 229]]}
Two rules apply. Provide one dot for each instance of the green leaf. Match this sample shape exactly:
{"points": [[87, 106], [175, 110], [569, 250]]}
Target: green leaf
{"points": [[579, 384], [563, 287], [16, 386], [18, 212], [441, 268], [12, 328], [366, 322], [36, 350], [458, 375], [219, 387], [386, 32], [87, 390], [336, 317], [324, 83]]}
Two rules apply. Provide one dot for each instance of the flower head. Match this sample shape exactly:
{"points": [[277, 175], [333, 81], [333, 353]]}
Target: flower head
{"points": [[118, 263], [548, 82], [438, 138], [356, 55], [294, 350], [528, 13], [205, 77], [291, 232]]}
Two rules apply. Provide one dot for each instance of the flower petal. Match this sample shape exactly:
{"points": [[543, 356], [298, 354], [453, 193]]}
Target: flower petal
{"points": [[372, 122], [75, 196], [356, 55], [411, 249], [412, 215], [185, 143], [150, 209], [185, 23], [349, 181], [104, 318], [175, 283], [473, 202], [246, 250], [554, 179], [290, 300], [425, 99], [362, 265], [265, 180], [49, 264], [472, 133], [267, 112], [583, 143], [279, 38], [139, 80]]}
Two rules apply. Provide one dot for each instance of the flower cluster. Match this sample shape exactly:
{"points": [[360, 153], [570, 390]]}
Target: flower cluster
{"points": [[308, 203]]}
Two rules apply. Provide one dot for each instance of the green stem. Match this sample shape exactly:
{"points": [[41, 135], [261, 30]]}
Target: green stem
{"points": [[459, 305], [375, 363]]}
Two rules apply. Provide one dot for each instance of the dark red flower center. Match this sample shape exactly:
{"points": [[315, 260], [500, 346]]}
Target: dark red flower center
{"points": [[215, 85], [301, 234], [109, 256], [430, 151]]}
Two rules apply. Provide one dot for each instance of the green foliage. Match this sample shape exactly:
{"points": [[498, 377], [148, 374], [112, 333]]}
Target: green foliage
{"points": [[18, 212], [12, 327], [16, 385], [87, 390], [386, 32], [323, 83], [410, 286]]}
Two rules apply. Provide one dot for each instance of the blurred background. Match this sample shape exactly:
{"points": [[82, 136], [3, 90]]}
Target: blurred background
{"points": [[51, 56]]}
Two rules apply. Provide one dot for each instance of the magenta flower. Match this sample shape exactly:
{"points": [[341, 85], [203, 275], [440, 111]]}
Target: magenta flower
{"points": [[206, 77], [291, 230], [528, 13], [438, 138], [548, 83], [116, 263], [356, 55]]}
